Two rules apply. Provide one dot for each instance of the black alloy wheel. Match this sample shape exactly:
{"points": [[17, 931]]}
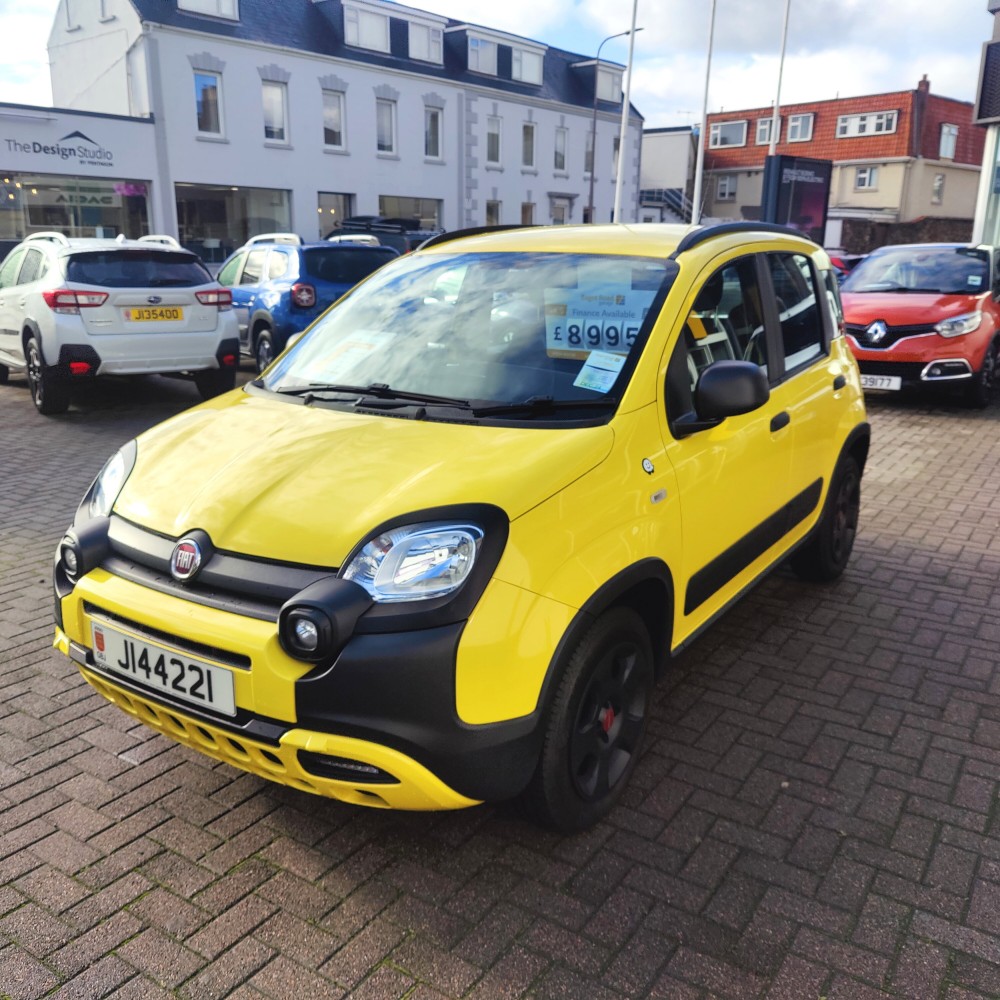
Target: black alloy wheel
{"points": [[49, 391], [263, 349]]}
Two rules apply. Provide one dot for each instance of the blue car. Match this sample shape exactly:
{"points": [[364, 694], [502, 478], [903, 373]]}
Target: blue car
{"points": [[281, 284]]}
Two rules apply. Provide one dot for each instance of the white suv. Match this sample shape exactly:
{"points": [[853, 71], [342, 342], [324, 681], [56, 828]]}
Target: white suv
{"points": [[75, 308]]}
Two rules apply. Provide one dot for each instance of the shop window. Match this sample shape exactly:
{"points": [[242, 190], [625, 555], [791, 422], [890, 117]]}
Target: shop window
{"points": [[333, 119], [432, 133], [426, 212], [385, 126], [275, 101], [208, 102], [331, 210], [214, 219]]}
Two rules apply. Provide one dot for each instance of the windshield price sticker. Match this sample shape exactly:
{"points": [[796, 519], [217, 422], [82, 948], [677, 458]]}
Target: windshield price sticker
{"points": [[596, 319], [600, 371]]}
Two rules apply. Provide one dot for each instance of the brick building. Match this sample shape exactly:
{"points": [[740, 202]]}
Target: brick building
{"points": [[905, 164]]}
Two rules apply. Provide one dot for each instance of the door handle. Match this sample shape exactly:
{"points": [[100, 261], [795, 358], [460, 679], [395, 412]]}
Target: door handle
{"points": [[839, 382], [780, 420]]}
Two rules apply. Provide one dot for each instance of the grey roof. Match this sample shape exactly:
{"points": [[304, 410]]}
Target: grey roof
{"points": [[318, 27]]}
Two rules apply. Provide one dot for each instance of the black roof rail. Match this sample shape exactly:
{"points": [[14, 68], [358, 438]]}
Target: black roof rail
{"points": [[703, 233], [474, 231]]}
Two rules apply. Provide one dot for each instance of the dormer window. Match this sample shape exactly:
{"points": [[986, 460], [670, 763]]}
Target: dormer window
{"points": [[366, 29], [425, 43], [526, 66], [609, 84], [228, 9], [482, 56]]}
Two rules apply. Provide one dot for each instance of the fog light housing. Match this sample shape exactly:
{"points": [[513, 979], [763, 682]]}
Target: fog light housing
{"points": [[70, 558], [314, 625], [307, 634]]}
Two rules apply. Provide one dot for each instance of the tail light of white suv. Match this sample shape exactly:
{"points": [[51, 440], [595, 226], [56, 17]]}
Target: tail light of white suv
{"points": [[67, 301], [221, 297]]}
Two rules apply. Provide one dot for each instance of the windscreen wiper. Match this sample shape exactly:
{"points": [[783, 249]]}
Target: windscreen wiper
{"points": [[376, 391], [541, 405]]}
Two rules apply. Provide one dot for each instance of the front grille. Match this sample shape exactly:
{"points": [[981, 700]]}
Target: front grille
{"points": [[893, 335], [909, 371]]}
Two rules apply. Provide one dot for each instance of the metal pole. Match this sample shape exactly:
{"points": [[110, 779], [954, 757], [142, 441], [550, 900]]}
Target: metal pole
{"points": [[775, 118], [620, 174], [593, 125], [700, 159]]}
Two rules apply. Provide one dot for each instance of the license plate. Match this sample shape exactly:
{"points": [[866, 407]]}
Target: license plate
{"points": [[166, 671], [881, 382], [153, 314]]}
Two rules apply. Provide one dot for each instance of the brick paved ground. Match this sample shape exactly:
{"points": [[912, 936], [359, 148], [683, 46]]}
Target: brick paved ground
{"points": [[816, 815]]}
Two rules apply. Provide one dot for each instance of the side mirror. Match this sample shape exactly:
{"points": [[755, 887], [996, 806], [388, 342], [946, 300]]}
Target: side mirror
{"points": [[724, 389]]}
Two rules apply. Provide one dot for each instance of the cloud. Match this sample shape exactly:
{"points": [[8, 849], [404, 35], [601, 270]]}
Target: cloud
{"points": [[25, 65]]}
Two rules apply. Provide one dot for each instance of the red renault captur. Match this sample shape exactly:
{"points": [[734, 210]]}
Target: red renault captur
{"points": [[926, 316]]}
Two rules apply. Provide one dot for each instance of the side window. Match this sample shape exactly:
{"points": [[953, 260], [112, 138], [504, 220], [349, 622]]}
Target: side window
{"points": [[277, 265], [798, 308], [31, 269], [8, 272], [253, 271], [227, 276]]}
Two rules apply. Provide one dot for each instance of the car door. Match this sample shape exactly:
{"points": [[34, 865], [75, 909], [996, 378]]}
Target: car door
{"points": [[11, 311], [734, 480], [229, 276]]}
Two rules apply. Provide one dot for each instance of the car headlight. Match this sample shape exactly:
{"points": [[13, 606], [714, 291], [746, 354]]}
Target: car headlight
{"points": [[416, 562], [103, 492], [959, 325]]}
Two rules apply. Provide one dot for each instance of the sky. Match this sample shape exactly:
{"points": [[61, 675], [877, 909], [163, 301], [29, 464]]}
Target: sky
{"points": [[836, 48]]}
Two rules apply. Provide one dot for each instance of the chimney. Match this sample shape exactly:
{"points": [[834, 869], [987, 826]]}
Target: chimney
{"points": [[924, 85]]}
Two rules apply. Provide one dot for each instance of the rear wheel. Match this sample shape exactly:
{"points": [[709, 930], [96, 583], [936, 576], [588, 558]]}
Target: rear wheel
{"points": [[824, 557], [264, 349], [214, 381], [49, 391], [982, 388], [596, 725], [4, 374]]}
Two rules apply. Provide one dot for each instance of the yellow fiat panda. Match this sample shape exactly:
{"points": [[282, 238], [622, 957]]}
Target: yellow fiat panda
{"points": [[438, 552]]}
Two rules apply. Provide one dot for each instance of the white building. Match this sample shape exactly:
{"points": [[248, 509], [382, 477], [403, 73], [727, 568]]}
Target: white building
{"points": [[234, 117]]}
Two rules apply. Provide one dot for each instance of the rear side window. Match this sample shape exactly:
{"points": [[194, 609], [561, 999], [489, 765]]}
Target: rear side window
{"points": [[798, 307], [343, 265], [137, 269], [253, 273], [32, 268]]}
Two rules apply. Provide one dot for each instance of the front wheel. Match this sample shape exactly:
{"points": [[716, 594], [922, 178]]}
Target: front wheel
{"points": [[980, 391], [596, 725], [4, 374], [824, 557], [214, 381], [49, 391], [263, 349]]}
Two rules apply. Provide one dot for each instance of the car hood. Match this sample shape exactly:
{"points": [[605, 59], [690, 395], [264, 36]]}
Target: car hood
{"points": [[906, 308], [305, 484]]}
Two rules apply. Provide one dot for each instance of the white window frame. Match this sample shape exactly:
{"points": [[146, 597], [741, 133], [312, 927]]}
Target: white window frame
{"points": [[218, 90], [385, 102], [764, 131], [526, 66], [428, 40], [282, 90], [494, 126], [430, 113], [725, 187], [229, 9], [715, 134], [341, 110], [529, 146], [800, 127], [869, 123], [559, 150], [949, 141], [609, 84], [482, 55], [366, 29], [866, 178]]}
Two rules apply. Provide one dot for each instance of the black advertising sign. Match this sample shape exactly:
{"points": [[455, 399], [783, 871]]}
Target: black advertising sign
{"points": [[796, 193]]}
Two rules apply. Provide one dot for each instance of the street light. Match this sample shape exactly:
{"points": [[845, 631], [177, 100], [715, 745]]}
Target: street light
{"points": [[593, 125]]}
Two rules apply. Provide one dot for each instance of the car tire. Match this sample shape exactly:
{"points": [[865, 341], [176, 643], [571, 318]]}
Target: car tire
{"points": [[49, 390], [4, 374], [595, 726], [824, 557], [214, 381], [981, 390], [263, 349]]}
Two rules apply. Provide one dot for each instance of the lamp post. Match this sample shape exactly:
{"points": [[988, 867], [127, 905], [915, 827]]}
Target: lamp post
{"points": [[593, 124]]}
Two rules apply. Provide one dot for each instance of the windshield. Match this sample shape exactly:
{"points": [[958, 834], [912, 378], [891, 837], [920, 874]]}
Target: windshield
{"points": [[945, 270], [497, 328]]}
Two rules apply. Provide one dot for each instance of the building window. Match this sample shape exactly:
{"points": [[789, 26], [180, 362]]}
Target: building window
{"points": [[725, 187], [588, 153], [559, 212], [331, 210], [866, 178], [559, 159], [333, 119], [609, 84], [275, 99], [365, 29], [937, 189], [483, 56], [214, 219], [425, 211], [527, 213], [800, 128], [208, 102], [385, 125], [528, 144], [615, 147], [425, 43], [526, 66], [492, 213], [875, 123], [228, 9], [493, 140], [949, 140], [727, 134], [764, 131], [432, 133]]}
